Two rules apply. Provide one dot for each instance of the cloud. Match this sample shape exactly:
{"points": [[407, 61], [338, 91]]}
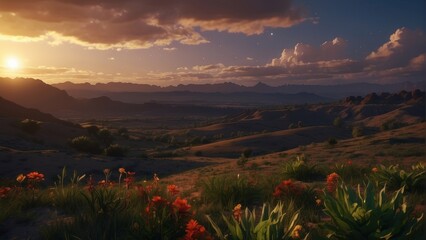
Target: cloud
{"points": [[403, 46], [169, 49], [305, 53], [104, 24]]}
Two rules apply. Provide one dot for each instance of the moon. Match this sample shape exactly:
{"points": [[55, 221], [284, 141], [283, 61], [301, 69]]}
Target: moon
{"points": [[12, 63]]}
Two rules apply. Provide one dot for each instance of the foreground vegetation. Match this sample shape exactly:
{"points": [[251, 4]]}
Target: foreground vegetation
{"points": [[292, 205]]}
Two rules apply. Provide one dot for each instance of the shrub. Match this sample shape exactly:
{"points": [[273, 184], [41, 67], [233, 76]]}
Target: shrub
{"points": [[395, 178], [30, 126], [332, 141], [242, 160], [299, 169], [85, 144], [115, 150], [105, 137], [92, 130], [273, 223], [369, 214], [357, 131], [338, 122]]}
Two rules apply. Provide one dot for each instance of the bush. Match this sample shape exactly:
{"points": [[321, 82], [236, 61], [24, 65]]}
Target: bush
{"points": [[332, 141], [299, 169], [105, 136], [369, 214], [85, 144], [338, 122], [115, 150], [30, 126], [357, 131], [242, 160]]}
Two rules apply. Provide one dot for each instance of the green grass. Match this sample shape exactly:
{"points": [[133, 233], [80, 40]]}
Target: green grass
{"points": [[146, 210]]}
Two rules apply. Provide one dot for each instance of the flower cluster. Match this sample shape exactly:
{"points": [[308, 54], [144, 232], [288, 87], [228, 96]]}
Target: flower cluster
{"points": [[172, 189], [236, 213], [4, 191], [35, 176], [332, 180], [289, 188], [195, 231]]}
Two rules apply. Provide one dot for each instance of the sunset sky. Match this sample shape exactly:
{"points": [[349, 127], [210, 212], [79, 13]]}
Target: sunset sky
{"points": [[170, 42]]}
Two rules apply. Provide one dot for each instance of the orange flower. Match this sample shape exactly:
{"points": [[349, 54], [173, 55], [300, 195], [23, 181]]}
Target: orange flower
{"points": [[332, 181], [172, 189], [237, 212], [107, 171], [374, 170], [20, 178], [36, 176], [296, 232], [122, 170], [182, 205], [318, 201]]}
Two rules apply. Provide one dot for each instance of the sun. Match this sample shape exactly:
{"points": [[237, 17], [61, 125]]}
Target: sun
{"points": [[12, 63]]}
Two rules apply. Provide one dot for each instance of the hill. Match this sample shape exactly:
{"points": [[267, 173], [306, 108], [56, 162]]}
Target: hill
{"points": [[52, 132], [35, 93]]}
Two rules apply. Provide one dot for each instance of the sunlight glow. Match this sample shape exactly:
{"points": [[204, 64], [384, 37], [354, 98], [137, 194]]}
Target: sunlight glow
{"points": [[12, 63]]}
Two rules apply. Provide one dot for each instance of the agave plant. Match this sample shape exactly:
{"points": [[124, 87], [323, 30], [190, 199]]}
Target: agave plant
{"points": [[369, 214], [395, 178], [272, 224]]}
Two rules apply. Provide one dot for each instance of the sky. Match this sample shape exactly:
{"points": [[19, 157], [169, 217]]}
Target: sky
{"points": [[171, 42]]}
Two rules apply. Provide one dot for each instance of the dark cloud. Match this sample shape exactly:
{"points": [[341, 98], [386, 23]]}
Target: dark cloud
{"points": [[140, 23]]}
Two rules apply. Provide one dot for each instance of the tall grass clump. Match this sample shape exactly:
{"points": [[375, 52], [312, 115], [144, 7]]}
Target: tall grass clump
{"points": [[228, 190], [394, 177], [300, 169]]}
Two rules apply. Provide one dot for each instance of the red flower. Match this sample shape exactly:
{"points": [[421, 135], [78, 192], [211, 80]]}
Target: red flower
{"points": [[332, 181], [288, 187], [172, 189], [349, 162], [182, 205], [196, 231], [36, 176], [157, 199], [4, 191]]}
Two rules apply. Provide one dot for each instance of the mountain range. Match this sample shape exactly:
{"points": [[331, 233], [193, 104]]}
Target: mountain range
{"points": [[328, 91]]}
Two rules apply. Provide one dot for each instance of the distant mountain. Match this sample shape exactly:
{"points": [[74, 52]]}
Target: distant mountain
{"points": [[330, 91], [12, 110], [37, 94]]}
